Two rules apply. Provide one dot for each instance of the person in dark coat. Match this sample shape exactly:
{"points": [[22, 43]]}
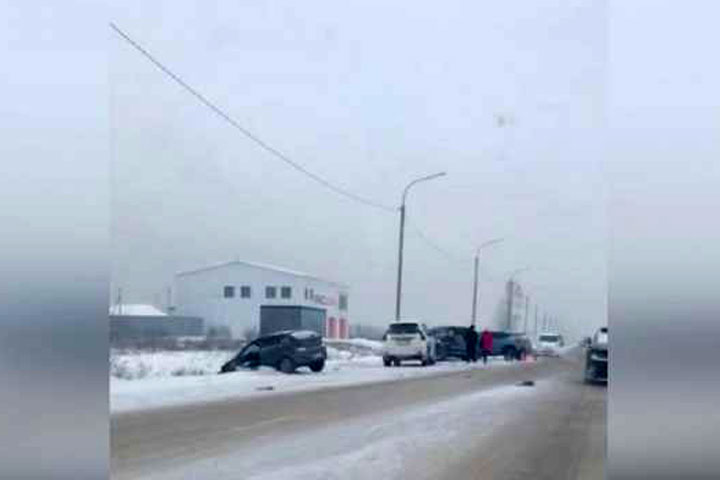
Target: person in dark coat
{"points": [[486, 345], [471, 340]]}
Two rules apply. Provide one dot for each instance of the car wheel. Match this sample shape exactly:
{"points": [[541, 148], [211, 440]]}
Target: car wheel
{"points": [[287, 365], [317, 366], [509, 355], [387, 361], [396, 362]]}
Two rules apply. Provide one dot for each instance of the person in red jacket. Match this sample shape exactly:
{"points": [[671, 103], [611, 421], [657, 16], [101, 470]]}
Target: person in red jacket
{"points": [[486, 344]]}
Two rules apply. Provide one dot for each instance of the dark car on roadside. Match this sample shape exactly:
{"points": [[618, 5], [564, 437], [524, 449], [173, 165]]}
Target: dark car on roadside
{"points": [[523, 346], [450, 342], [596, 357], [510, 345], [286, 351]]}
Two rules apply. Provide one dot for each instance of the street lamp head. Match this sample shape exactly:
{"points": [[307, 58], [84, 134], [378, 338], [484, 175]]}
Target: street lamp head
{"points": [[418, 180], [435, 175], [491, 242]]}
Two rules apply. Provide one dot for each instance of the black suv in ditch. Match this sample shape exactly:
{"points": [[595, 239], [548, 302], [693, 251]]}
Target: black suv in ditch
{"points": [[286, 351]]}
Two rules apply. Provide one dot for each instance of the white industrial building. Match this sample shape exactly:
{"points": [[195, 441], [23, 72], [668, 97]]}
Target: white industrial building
{"points": [[232, 294]]}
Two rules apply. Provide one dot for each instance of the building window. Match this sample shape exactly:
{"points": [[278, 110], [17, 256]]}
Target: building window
{"points": [[228, 291], [343, 302], [286, 292], [245, 291], [270, 292]]}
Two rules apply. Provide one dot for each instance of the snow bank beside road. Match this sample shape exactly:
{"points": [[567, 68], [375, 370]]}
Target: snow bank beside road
{"points": [[141, 380], [138, 365], [156, 392], [134, 365], [373, 346]]}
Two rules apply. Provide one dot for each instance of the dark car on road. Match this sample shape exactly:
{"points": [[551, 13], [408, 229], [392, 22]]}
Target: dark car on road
{"points": [[286, 351], [523, 346], [510, 345], [450, 342], [596, 357]]}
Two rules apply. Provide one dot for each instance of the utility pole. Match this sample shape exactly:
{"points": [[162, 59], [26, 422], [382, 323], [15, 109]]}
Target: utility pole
{"points": [[169, 301], [536, 320], [398, 292], [473, 320], [510, 295], [118, 302], [527, 301], [475, 289]]}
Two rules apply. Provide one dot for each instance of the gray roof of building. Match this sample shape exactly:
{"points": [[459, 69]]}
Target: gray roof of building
{"points": [[263, 266]]}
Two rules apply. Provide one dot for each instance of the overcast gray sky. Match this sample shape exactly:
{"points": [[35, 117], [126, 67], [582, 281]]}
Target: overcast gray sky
{"points": [[369, 95]]}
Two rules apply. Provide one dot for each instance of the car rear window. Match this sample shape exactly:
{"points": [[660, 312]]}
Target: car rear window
{"points": [[549, 338], [400, 328], [443, 332], [304, 334]]}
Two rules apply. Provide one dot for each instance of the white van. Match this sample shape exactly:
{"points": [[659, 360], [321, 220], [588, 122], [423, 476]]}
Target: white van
{"points": [[549, 344]]}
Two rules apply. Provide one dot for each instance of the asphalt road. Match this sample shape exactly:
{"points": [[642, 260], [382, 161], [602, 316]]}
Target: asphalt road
{"points": [[557, 434]]}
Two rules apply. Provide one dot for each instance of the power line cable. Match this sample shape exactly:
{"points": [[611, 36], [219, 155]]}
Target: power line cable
{"points": [[258, 141], [432, 244], [459, 260]]}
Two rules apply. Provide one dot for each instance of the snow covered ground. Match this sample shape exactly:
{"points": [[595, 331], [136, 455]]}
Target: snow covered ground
{"points": [[157, 379], [135, 365], [130, 365], [567, 349], [405, 443]]}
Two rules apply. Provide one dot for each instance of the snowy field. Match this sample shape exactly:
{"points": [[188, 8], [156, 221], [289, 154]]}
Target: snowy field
{"points": [[136, 365], [143, 380]]}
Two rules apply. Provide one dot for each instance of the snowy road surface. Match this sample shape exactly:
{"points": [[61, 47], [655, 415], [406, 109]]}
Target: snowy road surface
{"points": [[474, 423]]}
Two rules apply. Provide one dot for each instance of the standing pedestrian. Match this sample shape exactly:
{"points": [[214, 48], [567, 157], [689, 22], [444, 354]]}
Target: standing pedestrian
{"points": [[486, 344], [471, 340]]}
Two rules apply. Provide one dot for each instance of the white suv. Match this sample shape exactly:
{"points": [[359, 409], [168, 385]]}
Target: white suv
{"points": [[408, 341]]}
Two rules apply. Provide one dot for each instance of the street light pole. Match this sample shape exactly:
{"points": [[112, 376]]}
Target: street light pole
{"points": [[475, 281], [398, 293], [398, 286], [475, 289]]}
